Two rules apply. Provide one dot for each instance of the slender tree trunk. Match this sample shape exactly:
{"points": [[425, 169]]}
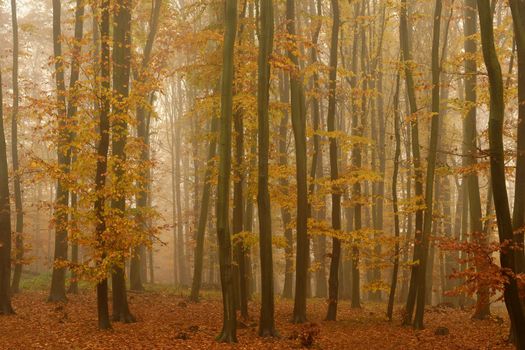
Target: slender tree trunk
{"points": [[238, 212], [102, 161], [121, 78], [58, 279], [299, 129], [333, 280], [497, 171], [267, 322], [286, 216], [228, 333], [395, 207], [203, 215], [518, 215], [138, 257], [5, 220], [316, 170], [416, 156], [431, 168], [71, 111], [469, 144], [19, 226]]}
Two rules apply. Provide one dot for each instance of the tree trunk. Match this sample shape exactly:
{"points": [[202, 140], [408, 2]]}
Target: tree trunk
{"points": [[267, 322], [395, 207], [470, 148], [431, 168], [58, 279], [333, 280], [102, 162], [71, 111], [299, 129], [238, 212], [121, 78], [497, 171], [416, 156], [228, 333], [137, 259], [316, 170], [5, 220], [19, 226], [203, 215], [286, 216]]}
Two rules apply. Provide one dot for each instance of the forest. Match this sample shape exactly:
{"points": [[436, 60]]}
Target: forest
{"points": [[262, 174]]}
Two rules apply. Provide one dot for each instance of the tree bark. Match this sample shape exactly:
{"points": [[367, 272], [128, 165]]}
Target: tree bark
{"points": [[497, 171], [5, 220], [267, 322], [203, 215], [286, 216], [119, 128], [299, 129], [102, 162], [19, 226], [58, 279], [228, 333], [431, 168], [395, 207], [416, 157], [135, 273], [333, 280], [469, 144]]}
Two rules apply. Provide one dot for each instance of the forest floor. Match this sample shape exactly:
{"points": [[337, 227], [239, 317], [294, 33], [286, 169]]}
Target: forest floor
{"points": [[167, 320]]}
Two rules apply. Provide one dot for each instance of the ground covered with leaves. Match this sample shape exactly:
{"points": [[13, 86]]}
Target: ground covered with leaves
{"points": [[167, 320]]}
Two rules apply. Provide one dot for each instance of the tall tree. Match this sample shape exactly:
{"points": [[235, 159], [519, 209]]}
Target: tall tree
{"points": [[102, 158], [470, 146], [72, 108], [135, 275], [119, 133], [406, 58], [58, 279], [431, 168], [497, 171], [203, 214], [5, 220], [286, 215], [333, 280], [228, 333], [19, 226], [267, 322], [518, 214], [316, 169], [299, 129], [395, 205]]}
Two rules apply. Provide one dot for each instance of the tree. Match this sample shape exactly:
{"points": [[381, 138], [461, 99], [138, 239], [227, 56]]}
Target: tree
{"points": [[299, 130], [406, 57], [102, 162], [142, 132], [58, 279], [5, 220], [333, 280], [470, 145], [431, 168], [497, 171], [203, 214], [228, 332], [395, 205], [266, 323], [316, 169], [119, 132], [72, 108], [19, 226]]}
